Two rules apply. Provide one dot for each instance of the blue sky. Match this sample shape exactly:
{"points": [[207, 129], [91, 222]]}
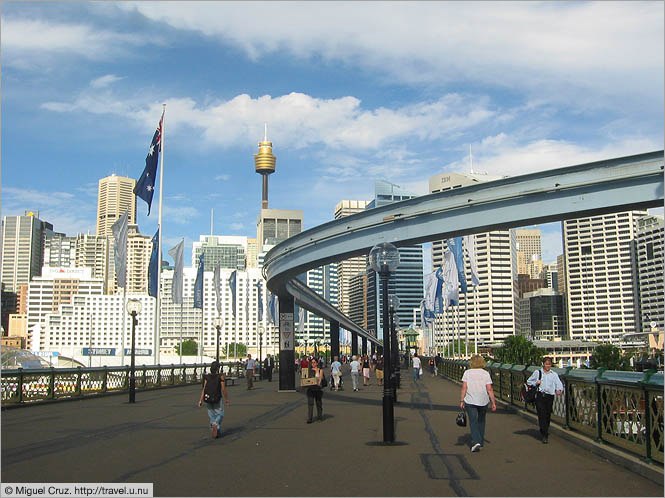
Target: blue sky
{"points": [[351, 92]]}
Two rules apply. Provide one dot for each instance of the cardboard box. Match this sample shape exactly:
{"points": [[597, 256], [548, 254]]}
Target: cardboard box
{"points": [[308, 381]]}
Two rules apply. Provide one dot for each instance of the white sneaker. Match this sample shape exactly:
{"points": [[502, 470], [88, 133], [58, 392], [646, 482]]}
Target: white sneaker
{"points": [[475, 448]]}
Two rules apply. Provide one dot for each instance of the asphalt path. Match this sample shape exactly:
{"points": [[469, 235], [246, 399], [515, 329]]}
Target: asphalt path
{"points": [[267, 449]]}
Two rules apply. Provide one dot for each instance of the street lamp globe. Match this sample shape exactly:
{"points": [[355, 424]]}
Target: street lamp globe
{"points": [[393, 301], [384, 258], [134, 306], [219, 322]]}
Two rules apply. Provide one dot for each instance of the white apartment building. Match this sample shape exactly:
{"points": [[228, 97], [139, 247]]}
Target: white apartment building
{"points": [[601, 276], [139, 249], [242, 328], [487, 314], [649, 248], [56, 287], [93, 251]]}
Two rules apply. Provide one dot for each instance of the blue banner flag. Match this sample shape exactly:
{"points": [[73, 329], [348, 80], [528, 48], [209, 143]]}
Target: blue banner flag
{"points": [[455, 245], [273, 306], [198, 285], [145, 185], [153, 267], [119, 230], [259, 292], [232, 286]]}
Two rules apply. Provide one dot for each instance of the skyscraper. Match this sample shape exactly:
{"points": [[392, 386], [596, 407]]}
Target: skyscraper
{"points": [[407, 281], [92, 251], [277, 225], [115, 195], [486, 314], [601, 279], [225, 251], [649, 241], [348, 268], [23, 239]]}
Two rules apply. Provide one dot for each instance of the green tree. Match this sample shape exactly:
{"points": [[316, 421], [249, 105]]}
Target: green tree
{"points": [[240, 349], [606, 356], [189, 348], [517, 349]]}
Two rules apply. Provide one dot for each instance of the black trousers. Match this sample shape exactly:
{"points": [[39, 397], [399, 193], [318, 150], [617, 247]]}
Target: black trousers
{"points": [[312, 395], [268, 371], [544, 404]]}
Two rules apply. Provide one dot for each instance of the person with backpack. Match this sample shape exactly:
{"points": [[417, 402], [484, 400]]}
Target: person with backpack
{"points": [[214, 389], [548, 385], [477, 393]]}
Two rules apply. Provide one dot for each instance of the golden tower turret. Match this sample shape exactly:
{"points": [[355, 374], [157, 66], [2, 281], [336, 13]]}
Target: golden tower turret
{"points": [[264, 163]]}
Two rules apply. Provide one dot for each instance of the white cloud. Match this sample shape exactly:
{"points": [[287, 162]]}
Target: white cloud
{"points": [[33, 43], [180, 215], [299, 120], [591, 50], [236, 226], [223, 178], [104, 81]]}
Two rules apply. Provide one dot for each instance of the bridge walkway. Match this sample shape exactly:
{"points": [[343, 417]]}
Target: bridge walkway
{"points": [[267, 449]]}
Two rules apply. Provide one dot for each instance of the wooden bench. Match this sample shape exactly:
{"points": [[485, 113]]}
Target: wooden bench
{"points": [[230, 380]]}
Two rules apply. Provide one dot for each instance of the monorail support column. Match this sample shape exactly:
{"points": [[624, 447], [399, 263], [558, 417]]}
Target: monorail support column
{"points": [[354, 343], [334, 340], [287, 349], [364, 346]]}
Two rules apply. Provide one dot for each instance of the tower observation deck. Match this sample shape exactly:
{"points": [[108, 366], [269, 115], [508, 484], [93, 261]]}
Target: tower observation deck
{"points": [[264, 164]]}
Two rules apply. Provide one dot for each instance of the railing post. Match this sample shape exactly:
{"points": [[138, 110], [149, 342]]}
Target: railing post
{"points": [[647, 413], [79, 376], [20, 385], [51, 384], [599, 422], [172, 375], [143, 376], [105, 379], [566, 401]]}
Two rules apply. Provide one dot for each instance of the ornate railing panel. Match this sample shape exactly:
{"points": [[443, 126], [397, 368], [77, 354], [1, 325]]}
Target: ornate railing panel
{"points": [[624, 409]]}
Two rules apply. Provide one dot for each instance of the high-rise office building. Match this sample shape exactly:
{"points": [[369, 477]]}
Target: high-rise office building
{"points": [[277, 225], [601, 276], [115, 195], [407, 281], [649, 249], [93, 251], [323, 281], [529, 243], [252, 253], [541, 315], [23, 239], [487, 314], [348, 268], [60, 251], [139, 249], [225, 251]]}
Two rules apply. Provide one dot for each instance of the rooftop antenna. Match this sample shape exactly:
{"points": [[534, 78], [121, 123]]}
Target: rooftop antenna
{"points": [[471, 159]]}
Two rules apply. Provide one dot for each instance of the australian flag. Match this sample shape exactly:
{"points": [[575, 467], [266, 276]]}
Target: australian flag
{"points": [[145, 186]]}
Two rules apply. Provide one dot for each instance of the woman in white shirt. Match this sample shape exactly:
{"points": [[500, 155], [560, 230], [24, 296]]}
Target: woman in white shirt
{"points": [[477, 392]]}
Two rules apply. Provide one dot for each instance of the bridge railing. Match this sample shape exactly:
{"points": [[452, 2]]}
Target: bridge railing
{"points": [[27, 386], [624, 409]]}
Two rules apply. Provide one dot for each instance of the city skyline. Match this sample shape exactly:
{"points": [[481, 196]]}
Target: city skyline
{"points": [[83, 86]]}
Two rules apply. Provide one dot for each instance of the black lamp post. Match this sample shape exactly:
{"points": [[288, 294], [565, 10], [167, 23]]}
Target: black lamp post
{"points": [[133, 308], [393, 302], [219, 323], [384, 259], [395, 351]]}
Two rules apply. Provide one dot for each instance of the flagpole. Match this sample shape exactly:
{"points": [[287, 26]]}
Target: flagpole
{"points": [[203, 305], [181, 329], [157, 341], [124, 322], [475, 319]]}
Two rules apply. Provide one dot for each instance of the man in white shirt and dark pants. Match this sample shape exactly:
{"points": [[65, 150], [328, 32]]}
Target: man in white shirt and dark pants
{"points": [[549, 385]]}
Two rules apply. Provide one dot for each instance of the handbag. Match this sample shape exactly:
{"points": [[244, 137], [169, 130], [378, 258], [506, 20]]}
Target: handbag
{"points": [[421, 371], [528, 393], [461, 419]]}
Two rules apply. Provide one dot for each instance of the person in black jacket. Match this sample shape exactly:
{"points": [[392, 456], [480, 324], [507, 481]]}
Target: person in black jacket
{"points": [[215, 409], [268, 365]]}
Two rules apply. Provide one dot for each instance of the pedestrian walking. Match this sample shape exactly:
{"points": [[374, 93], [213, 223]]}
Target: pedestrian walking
{"points": [[417, 367], [549, 385], [355, 371], [366, 370], [437, 362], [336, 372], [315, 393], [215, 386], [250, 369], [268, 366], [379, 370], [477, 392]]}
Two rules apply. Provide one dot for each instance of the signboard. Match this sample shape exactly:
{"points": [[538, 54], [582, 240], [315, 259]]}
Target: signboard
{"points": [[51, 356], [138, 352], [286, 336], [98, 352]]}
